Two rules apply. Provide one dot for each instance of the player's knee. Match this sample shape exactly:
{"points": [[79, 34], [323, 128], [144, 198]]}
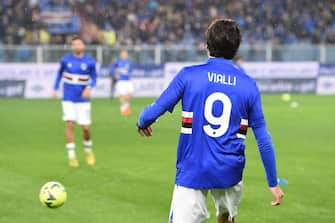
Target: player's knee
{"points": [[86, 128], [70, 125]]}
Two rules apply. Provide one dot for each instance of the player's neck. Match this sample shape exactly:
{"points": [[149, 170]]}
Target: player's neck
{"points": [[79, 55]]}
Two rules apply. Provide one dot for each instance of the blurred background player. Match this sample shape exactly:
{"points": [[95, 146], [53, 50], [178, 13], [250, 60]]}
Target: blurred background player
{"points": [[219, 103], [77, 70], [113, 82], [238, 59], [121, 72]]}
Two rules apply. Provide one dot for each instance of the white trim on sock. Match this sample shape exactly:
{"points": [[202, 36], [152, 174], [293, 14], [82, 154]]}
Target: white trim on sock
{"points": [[70, 145], [88, 143], [71, 150], [71, 153], [88, 150], [88, 146]]}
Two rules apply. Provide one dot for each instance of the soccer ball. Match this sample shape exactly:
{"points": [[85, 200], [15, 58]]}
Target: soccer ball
{"points": [[294, 104], [286, 97], [53, 194]]}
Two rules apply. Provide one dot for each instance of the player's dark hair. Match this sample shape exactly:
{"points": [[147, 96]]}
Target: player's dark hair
{"points": [[74, 38], [223, 38]]}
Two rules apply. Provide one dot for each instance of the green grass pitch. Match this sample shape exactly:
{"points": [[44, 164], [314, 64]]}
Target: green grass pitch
{"points": [[133, 178]]}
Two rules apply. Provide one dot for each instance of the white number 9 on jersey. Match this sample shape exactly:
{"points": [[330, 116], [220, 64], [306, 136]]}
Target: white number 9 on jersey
{"points": [[223, 120]]}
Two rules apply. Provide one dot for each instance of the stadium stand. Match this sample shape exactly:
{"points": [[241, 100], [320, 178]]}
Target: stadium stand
{"points": [[128, 22]]}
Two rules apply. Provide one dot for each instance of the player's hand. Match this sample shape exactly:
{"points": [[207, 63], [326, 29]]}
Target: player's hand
{"points": [[145, 131], [54, 94], [277, 194], [86, 93]]}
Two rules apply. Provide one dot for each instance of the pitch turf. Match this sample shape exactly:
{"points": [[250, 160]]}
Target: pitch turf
{"points": [[133, 178]]}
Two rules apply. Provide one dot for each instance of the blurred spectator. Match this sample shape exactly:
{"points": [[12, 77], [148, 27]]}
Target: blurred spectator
{"points": [[129, 22], [330, 38], [23, 54], [109, 36], [44, 36]]}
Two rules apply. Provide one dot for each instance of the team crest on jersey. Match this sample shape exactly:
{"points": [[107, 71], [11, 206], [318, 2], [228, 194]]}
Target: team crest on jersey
{"points": [[83, 66], [69, 65]]}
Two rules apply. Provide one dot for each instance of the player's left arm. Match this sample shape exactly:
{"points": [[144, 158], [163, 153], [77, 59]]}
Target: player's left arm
{"points": [[166, 102], [112, 71], [266, 148], [93, 82], [130, 69]]}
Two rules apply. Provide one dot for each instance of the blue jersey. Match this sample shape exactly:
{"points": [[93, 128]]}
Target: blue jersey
{"points": [[121, 69], [219, 103], [76, 73]]}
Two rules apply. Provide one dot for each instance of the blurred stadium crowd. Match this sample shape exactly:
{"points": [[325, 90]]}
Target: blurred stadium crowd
{"points": [[130, 22]]}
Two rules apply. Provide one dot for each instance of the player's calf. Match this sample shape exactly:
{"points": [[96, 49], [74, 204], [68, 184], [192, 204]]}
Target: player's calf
{"points": [[90, 158], [69, 131], [224, 218], [86, 132]]}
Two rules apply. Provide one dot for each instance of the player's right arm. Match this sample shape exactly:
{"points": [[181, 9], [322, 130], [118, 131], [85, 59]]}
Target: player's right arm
{"points": [[130, 68], [265, 147], [58, 79], [166, 102], [113, 71]]}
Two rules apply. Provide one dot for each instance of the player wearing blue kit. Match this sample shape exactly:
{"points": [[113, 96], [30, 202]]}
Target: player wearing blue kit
{"points": [[219, 103], [121, 72], [77, 71]]}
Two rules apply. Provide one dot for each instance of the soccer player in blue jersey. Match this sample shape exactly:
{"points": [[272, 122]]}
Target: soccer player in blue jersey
{"points": [[77, 71], [121, 72], [219, 103]]}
